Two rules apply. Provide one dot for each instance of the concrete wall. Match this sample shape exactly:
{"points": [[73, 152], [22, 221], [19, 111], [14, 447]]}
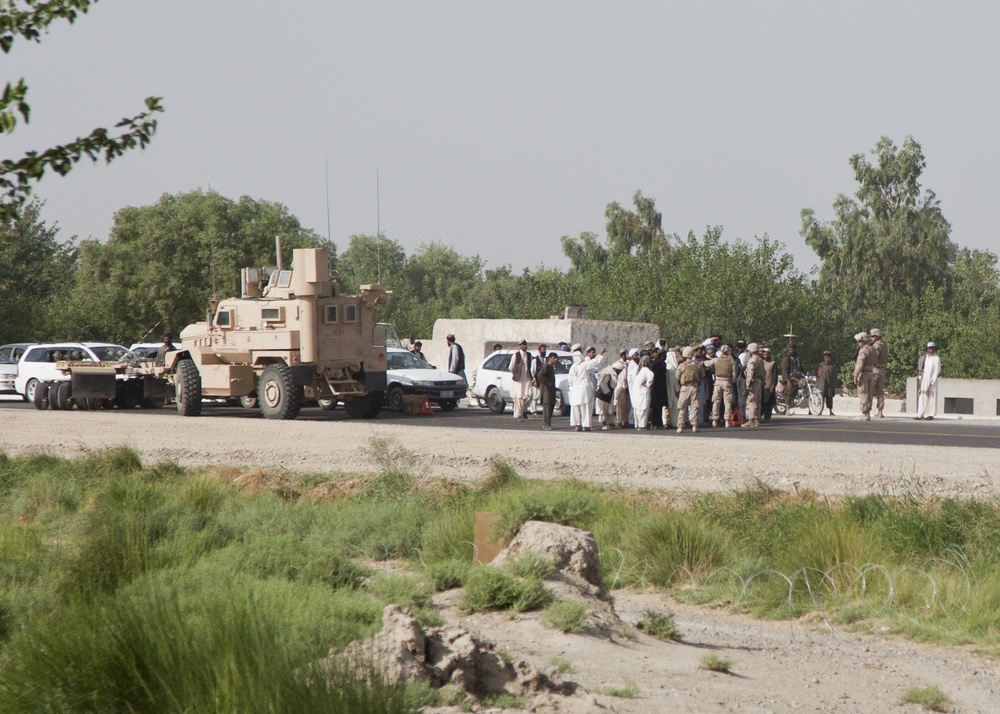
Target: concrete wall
{"points": [[477, 337], [953, 396]]}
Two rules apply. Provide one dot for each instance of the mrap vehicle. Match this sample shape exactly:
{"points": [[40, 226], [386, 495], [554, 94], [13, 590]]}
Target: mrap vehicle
{"points": [[291, 336]]}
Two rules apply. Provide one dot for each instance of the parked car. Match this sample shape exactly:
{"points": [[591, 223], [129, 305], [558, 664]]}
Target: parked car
{"points": [[491, 383], [38, 363], [9, 356], [145, 350], [408, 374]]}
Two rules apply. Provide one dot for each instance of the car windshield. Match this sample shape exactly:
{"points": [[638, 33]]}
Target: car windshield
{"points": [[406, 360], [109, 353], [563, 363]]}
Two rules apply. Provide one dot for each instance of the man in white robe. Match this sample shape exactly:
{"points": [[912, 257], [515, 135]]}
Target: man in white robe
{"points": [[928, 373], [641, 392], [520, 387], [582, 395]]}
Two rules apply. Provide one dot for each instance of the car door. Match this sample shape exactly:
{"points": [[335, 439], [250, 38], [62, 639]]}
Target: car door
{"points": [[495, 373]]}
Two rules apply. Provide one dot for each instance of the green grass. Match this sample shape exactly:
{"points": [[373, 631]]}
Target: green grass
{"points": [[197, 552], [565, 616], [660, 625], [563, 665], [629, 691], [714, 663], [930, 698]]}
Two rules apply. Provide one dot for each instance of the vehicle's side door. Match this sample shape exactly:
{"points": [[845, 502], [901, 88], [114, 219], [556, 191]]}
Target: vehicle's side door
{"points": [[493, 372]]}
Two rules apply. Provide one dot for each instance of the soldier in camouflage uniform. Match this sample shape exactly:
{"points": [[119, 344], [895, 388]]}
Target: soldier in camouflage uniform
{"points": [[725, 377], [881, 359], [864, 376], [690, 375], [754, 379]]}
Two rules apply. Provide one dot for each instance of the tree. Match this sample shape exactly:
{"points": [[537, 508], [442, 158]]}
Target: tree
{"points": [[892, 242], [162, 263], [34, 267], [18, 176]]}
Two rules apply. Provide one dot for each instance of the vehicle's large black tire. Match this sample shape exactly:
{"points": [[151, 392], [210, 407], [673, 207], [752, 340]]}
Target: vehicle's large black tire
{"points": [[448, 405], [53, 392], [126, 396], [187, 388], [64, 398], [93, 402], [41, 395], [152, 402], [82, 404], [494, 401], [395, 398], [279, 396], [365, 407], [375, 405]]}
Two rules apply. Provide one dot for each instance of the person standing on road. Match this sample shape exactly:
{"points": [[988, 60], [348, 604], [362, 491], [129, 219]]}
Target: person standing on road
{"points": [[456, 356], [826, 380], [769, 394], [535, 406], [864, 365], [928, 373], [742, 357], [878, 372], [623, 402], [753, 377], [545, 377], [607, 378], [725, 375], [520, 387], [690, 375], [791, 370], [641, 392], [582, 384]]}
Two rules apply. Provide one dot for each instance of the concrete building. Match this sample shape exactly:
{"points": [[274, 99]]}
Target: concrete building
{"points": [[969, 397], [477, 337]]}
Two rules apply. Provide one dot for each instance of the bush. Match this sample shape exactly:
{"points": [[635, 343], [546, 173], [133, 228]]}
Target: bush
{"points": [[660, 625], [566, 616], [447, 574], [489, 588]]}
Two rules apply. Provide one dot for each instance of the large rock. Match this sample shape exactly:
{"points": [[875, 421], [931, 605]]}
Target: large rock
{"points": [[572, 551], [441, 656]]}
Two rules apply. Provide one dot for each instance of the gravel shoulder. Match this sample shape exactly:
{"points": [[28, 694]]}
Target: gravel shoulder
{"points": [[777, 666]]}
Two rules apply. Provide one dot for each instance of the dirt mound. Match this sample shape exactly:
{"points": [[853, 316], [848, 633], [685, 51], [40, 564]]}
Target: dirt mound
{"points": [[453, 656]]}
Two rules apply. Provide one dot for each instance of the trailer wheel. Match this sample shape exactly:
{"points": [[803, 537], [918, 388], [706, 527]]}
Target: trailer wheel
{"points": [[82, 404], [53, 392], [94, 403], [63, 395], [152, 402], [279, 396], [187, 388], [41, 395]]}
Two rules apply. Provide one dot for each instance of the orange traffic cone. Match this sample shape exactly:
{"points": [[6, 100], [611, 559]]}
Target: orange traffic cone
{"points": [[425, 408]]}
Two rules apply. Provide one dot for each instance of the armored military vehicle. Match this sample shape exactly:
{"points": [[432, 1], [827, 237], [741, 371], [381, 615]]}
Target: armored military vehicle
{"points": [[291, 336]]}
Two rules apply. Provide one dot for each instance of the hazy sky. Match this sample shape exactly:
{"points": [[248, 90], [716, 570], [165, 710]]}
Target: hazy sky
{"points": [[497, 128]]}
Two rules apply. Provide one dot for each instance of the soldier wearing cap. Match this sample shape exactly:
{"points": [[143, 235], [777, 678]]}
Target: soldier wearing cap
{"points": [[754, 380], [690, 375], [878, 372], [725, 376], [864, 377]]}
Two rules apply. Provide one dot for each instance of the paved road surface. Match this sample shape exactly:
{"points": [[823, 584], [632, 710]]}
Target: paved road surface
{"points": [[898, 430]]}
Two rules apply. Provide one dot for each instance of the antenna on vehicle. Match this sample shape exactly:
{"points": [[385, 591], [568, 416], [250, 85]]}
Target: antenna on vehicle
{"points": [[327, 165], [378, 224], [214, 292]]}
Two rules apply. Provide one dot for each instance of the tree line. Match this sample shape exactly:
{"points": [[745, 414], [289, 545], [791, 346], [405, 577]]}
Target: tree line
{"points": [[886, 260]]}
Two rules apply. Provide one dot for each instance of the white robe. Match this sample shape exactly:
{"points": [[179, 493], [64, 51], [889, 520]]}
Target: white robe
{"points": [[927, 392], [520, 389], [582, 379], [641, 392]]}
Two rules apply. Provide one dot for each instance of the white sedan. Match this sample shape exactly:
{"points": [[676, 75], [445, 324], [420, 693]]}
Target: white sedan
{"points": [[408, 374]]}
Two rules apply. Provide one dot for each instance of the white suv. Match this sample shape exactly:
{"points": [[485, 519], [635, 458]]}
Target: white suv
{"points": [[38, 363], [492, 381], [9, 356]]}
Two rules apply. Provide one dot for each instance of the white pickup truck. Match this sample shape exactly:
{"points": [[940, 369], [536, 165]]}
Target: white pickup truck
{"points": [[9, 356]]}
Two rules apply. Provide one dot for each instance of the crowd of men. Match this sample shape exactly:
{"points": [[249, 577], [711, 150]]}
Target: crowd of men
{"points": [[659, 387], [705, 385]]}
